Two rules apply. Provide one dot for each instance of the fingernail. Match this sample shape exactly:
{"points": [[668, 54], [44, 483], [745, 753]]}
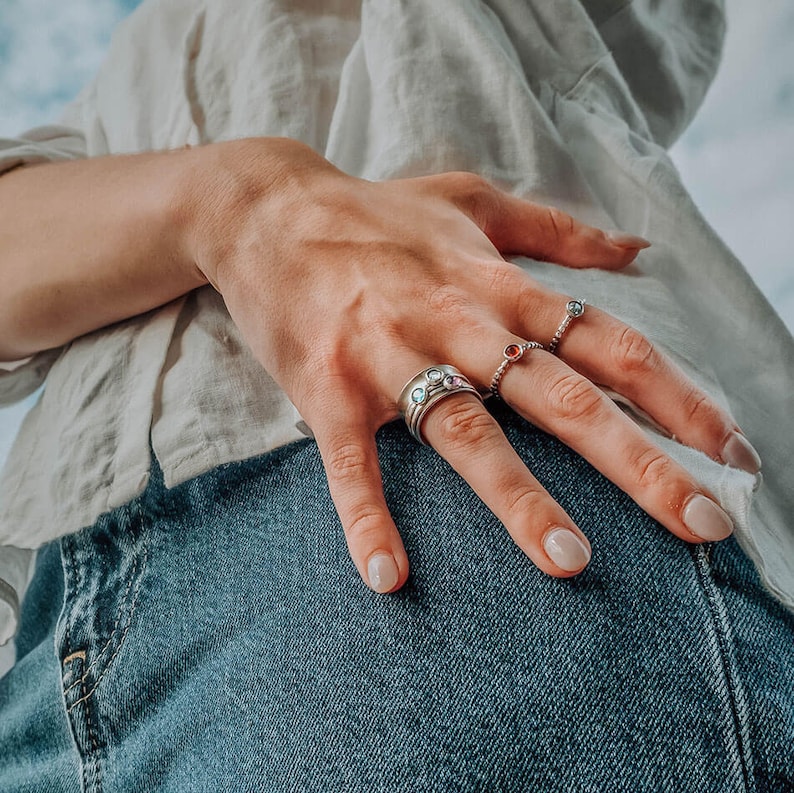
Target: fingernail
{"points": [[566, 550], [738, 452], [706, 520], [382, 572], [623, 240]]}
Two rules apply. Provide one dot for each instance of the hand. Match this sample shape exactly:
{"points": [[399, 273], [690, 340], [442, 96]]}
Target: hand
{"points": [[345, 289]]}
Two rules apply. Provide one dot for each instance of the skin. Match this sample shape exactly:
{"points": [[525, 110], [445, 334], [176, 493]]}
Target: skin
{"points": [[322, 273]]}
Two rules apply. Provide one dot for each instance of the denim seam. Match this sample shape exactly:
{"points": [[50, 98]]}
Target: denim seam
{"points": [[89, 764], [93, 664], [95, 782], [723, 636], [133, 606], [70, 585]]}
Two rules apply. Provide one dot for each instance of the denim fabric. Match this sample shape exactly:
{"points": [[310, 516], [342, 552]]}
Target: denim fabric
{"points": [[217, 637]]}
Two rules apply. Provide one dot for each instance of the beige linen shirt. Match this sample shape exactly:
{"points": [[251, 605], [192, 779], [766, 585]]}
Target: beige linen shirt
{"points": [[572, 103]]}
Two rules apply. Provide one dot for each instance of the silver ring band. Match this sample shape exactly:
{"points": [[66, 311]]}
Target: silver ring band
{"points": [[427, 388], [512, 353], [573, 310]]}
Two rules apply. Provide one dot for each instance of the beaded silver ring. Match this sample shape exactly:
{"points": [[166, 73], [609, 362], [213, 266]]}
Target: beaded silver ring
{"points": [[573, 310], [512, 353]]}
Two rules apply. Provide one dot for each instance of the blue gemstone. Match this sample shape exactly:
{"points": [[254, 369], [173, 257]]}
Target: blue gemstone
{"points": [[418, 395]]}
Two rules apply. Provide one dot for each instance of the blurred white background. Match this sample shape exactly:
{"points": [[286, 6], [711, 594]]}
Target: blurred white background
{"points": [[736, 158]]}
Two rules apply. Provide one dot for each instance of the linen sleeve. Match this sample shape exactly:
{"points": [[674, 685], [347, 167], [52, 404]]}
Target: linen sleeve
{"points": [[52, 143], [15, 572]]}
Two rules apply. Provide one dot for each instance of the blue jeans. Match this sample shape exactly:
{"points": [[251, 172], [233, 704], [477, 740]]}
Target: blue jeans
{"points": [[217, 637]]}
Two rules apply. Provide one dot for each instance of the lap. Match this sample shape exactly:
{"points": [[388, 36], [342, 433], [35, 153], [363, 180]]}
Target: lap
{"points": [[217, 635]]}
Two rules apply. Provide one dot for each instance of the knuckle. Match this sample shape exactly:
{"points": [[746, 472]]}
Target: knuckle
{"points": [[472, 193], [364, 523], [461, 422], [511, 286], [467, 185], [574, 398], [561, 224], [447, 300], [651, 467], [524, 500], [634, 353], [528, 298], [502, 278], [698, 408], [346, 462]]}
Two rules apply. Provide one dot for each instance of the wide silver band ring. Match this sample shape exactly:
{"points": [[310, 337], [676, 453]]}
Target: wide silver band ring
{"points": [[512, 353], [426, 389], [573, 310]]}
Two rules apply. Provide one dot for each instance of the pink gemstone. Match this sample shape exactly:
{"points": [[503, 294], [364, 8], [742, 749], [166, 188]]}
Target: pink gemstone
{"points": [[452, 381]]}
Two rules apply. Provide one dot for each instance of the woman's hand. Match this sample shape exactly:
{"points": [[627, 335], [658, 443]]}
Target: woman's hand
{"points": [[345, 289]]}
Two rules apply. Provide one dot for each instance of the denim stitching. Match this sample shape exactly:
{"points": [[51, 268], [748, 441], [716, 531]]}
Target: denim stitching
{"points": [[88, 669], [134, 605], [67, 560], [722, 639], [91, 775], [89, 764]]}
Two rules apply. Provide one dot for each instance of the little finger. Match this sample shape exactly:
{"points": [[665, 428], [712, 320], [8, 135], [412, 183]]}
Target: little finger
{"points": [[611, 353]]}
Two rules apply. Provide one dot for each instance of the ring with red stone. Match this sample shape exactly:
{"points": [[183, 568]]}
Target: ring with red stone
{"points": [[512, 353], [427, 388], [573, 310]]}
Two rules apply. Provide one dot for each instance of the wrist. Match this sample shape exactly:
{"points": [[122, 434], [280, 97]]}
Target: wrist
{"points": [[228, 184]]}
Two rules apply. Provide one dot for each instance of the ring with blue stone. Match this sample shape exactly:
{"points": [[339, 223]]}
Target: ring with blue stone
{"points": [[573, 310], [425, 389]]}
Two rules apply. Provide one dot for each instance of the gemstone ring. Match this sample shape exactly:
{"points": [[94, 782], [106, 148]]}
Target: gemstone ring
{"points": [[512, 353], [573, 310], [426, 389]]}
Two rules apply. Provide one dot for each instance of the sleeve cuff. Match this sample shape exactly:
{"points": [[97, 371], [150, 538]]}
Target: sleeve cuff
{"points": [[53, 143], [15, 572], [19, 379]]}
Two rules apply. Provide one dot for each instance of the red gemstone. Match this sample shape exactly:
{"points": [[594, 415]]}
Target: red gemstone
{"points": [[513, 352]]}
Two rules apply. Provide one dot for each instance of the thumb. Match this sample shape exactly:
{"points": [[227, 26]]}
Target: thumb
{"points": [[516, 226]]}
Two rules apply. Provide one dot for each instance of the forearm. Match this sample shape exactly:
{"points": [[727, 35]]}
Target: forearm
{"points": [[85, 244]]}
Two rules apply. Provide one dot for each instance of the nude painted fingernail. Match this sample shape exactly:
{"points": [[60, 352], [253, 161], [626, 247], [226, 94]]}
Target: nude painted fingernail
{"points": [[566, 550], [706, 520], [738, 452], [382, 572], [623, 240]]}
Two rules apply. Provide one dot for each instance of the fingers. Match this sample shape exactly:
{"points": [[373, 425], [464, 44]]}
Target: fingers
{"points": [[516, 226], [569, 406], [608, 352], [462, 431], [350, 458]]}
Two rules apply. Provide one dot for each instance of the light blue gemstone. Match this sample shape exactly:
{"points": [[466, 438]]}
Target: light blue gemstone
{"points": [[575, 308], [418, 395], [434, 376]]}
